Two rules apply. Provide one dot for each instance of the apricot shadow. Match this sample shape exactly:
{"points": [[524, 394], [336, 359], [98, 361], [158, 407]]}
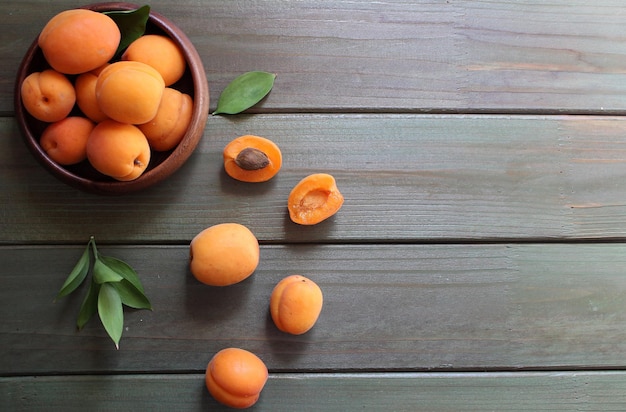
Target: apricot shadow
{"points": [[233, 186], [285, 347], [217, 302]]}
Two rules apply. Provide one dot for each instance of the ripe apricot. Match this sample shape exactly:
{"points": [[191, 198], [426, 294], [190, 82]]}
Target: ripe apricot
{"points": [[48, 95], [79, 40], [314, 199], [295, 304], [85, 85], [159, 52], [235, 377], [65, 141], [118, 150], [223, 254], [129, 92], [252, 158], [169, 125]]}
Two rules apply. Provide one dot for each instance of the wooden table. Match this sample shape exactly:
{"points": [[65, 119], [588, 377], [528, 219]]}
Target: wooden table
{"points": [[479, 260]]}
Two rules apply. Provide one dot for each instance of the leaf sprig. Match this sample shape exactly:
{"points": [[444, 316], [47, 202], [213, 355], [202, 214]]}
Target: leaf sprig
{"points": [[114, 283]]}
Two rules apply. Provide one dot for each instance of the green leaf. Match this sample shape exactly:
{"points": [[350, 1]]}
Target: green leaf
{"points": [[132, 24], [89, 306], [123, 269], [104, 274], [77, 275], [131, 296], [244, 92], [111, 312]]}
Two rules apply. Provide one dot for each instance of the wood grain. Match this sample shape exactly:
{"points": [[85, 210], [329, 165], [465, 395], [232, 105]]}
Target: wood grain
{"points": [[548, 391], [405, 178], [477, 263], [403, 55], [387, 307]]}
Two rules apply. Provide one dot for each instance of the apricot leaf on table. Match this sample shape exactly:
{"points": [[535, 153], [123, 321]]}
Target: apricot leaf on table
{"points": [[114, 284], [132, 24], [244, 92]]}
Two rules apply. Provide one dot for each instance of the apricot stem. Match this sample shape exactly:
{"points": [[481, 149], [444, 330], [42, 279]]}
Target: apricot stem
{"points": [[251, 158]]}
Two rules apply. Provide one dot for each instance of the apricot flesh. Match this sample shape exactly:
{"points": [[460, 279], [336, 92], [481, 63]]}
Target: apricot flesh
{"points": [[263, 162], [235, 377], [314, 199], [295, 304], [223, 254]]}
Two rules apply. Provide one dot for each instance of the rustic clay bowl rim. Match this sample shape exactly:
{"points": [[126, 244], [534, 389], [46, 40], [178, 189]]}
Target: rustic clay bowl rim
{"points": [[167, 166]]}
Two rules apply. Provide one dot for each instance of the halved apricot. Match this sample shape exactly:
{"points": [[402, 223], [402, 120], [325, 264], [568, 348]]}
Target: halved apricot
{"points": [[252, 158], [314, 199]]}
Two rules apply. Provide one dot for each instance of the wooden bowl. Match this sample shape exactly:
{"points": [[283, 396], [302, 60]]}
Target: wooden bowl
{"points": [[162, 164]]}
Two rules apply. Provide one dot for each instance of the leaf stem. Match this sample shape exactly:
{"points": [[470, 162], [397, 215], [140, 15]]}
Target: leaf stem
{"points": [[92, 241]]}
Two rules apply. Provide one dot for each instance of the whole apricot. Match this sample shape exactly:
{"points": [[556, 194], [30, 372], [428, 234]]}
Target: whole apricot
{"points": [[85, 85], [79, 40], [295, 304], [169, 125], [48, 95], [129, 92], [65, 141], [159, 52], [118, 150], [224, 254], [235, 377]]}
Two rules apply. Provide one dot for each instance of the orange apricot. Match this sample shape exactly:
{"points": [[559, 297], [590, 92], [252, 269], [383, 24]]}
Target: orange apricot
{"points": [[295, 304], [235, 377], [48, 95], [159, 52], [129, 92], [223, 254], [79, 40], [65, 141], [252, 158], [118, 150], [314, 199], [169, 125], [85, 85]]}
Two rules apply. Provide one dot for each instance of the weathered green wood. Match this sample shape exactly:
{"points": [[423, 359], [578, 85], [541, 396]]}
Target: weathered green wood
{"points": [[548, 391], [462, 55], [404, 177], [387, 307]]}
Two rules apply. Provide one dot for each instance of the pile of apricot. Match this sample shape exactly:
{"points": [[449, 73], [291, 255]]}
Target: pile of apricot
{"points": [[228, 253], [112, 112]]}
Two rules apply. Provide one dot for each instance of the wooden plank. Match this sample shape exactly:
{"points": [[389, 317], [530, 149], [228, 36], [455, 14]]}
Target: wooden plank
{"points": [[547, 391], [387, 307], [402, 55], [405, 178]]}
